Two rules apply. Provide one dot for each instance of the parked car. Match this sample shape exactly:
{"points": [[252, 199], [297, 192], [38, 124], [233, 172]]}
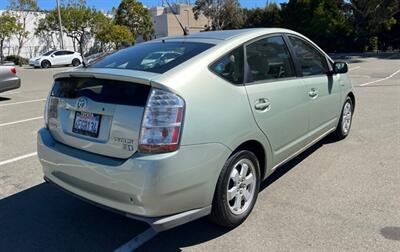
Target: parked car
{"points": [[196, 135], [56, 58], [8, 78]]}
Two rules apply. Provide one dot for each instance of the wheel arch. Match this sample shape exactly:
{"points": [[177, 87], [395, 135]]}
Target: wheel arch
{"points": [[258, 149], [46, 60], [353, 99]]}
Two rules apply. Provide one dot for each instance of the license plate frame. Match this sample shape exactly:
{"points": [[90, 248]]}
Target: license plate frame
{"points": [[86, 130]]}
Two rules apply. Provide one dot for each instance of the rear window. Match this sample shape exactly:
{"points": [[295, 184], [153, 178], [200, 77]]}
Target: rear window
{"points": [[99, 90], [156, 57]]}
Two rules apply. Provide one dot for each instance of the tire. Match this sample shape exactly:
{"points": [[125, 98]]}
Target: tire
{"points": [[76, 62], [45, 64], [229, 213], [345, 121]]}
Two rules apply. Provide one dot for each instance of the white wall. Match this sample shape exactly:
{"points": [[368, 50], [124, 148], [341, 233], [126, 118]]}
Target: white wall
{"points": [[34, 45]]}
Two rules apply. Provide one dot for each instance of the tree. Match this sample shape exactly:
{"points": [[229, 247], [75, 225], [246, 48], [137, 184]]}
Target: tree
{"points": [[112, 36], [7, 28], [270, 16], [48, 29], [371, 17], [223, 14], [136, 17], [321, 20], [390, 39], [21, 9], [79, 22]]}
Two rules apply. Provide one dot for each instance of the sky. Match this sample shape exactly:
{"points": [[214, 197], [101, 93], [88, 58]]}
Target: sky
{"points": [[107, 5]]}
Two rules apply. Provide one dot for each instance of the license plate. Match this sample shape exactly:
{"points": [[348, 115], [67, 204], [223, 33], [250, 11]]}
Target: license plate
{"points": [[86, 124]]}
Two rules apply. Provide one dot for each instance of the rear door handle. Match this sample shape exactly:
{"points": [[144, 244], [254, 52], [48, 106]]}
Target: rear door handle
{"points": [[313, 93], [262, 104]]}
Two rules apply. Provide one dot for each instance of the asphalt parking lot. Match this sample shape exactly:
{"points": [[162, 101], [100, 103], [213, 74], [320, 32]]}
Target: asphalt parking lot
{"points": [[337, 196]]}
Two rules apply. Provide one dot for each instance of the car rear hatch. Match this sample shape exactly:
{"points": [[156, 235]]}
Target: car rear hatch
{"points": [[99, 112]]}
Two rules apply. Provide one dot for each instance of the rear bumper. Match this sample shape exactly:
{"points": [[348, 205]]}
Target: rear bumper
{"points": [[9, 84], [157, 223], [143, 186]]}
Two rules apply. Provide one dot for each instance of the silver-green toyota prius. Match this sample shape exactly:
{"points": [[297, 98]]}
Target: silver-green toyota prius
{"points": [[178, 128]]}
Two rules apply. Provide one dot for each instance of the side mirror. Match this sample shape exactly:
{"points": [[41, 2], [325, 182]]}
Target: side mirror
{"points": [[340, 67], [52, 56]]}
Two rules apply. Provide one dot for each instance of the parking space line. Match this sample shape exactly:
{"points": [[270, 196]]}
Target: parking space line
{"points": [[11, 93], [17, 158], [383, 79], [137, 241], [21, 121], [22, 102], [354, 68]]}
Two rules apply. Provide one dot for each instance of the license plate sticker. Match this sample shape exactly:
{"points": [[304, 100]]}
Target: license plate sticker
{"points": [[87, 124]]}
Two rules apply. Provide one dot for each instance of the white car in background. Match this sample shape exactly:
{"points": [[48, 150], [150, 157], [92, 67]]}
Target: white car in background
{"points": [[56, 58]]}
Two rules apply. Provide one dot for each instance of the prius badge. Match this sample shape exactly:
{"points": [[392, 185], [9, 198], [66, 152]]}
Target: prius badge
{"points": [[81, 104]]}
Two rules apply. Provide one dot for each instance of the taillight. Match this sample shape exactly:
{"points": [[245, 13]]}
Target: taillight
{"points": [[50, 109], [46, 109], [13, 70], [162, 122]]}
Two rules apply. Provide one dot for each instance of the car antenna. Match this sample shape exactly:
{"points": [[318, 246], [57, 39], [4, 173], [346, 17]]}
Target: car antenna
{"points": [[185, 31]]}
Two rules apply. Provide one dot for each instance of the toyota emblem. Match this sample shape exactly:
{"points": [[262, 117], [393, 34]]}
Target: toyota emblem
{"points": [[81, 103]]}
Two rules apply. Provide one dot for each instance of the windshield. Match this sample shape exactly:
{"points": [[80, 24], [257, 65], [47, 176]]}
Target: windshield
{"points": [[48, 53], [157, 57]]}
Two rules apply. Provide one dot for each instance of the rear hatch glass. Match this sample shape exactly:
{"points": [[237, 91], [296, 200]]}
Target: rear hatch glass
{"points": [[97, 115], [156, 57]]}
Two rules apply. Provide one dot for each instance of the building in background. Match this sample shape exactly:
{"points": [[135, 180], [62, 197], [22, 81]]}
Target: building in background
{"points": [[166, 24], [164, 20]]}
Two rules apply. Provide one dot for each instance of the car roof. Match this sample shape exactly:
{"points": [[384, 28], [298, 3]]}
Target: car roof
{"points": [[220, 36]]}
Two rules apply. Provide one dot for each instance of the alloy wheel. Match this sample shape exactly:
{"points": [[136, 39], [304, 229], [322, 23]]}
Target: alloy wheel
{"points": [[241, 186], [346, 117]]}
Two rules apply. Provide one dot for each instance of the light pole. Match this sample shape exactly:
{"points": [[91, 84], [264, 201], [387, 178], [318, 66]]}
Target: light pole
{"points": [[59, 19]]}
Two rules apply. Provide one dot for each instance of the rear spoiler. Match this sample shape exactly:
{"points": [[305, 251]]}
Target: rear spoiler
{"points": [[140, 77]]}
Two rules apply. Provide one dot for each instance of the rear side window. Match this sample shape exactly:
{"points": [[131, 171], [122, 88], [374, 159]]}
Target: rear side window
{"points": [[231, 66], [156, 57], [59, 53], [269, 58], [99, 90], [312, 62]]}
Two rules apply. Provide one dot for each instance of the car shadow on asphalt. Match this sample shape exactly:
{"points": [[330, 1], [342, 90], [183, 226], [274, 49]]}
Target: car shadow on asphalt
{"points": [[4, 98], [43, 218]]}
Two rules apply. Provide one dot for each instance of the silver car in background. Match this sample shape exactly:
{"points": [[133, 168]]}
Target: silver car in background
{"points": [[8, 78]]}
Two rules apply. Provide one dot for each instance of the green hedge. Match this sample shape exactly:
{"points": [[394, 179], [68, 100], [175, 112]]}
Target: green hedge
{"points": [[18, 60]]}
